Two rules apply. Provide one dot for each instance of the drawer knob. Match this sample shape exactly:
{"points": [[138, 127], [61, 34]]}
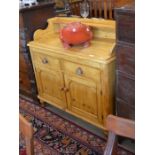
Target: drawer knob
{"points": [[62, 88], [66, 89], [44, 61], [79, 71]]}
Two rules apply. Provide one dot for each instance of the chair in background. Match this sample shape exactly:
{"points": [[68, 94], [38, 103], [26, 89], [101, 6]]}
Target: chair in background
{"points": [[98, 8], [75, 7], [118, 126], [26, 130], [111, 4]]}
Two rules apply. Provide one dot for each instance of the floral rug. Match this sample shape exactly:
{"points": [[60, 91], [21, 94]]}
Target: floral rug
{"points": [[54, 135]]}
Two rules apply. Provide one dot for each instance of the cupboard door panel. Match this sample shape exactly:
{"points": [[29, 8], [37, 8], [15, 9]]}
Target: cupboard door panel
{"points": [[50, 85], [83, 97]]}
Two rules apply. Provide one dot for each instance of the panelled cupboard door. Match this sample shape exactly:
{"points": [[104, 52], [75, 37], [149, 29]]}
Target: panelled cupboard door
{"points": [[83, 97], [50, 84]]}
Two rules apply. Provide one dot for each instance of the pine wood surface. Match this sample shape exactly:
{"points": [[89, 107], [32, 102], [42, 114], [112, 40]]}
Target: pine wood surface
{"points": [[26, 130], [78, 80]]}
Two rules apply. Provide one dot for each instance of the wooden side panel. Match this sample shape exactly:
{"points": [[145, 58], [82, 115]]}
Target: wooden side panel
{"points": [[125, 58], [108, 89], [125, 109], [125, 27], [125, 88]]}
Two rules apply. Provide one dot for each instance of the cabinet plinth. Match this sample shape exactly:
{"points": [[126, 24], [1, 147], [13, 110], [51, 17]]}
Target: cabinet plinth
{"points": [[78, 80]]}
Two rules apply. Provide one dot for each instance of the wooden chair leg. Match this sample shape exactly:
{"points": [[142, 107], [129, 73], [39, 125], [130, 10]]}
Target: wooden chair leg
{"points": [[29, 148], [111, 147]]}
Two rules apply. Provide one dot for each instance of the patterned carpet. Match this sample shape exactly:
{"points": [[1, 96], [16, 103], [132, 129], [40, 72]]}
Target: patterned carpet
{"points": [[55, 135]]}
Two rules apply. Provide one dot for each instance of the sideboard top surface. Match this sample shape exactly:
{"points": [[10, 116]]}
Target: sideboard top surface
{"points": [[102, 44]]}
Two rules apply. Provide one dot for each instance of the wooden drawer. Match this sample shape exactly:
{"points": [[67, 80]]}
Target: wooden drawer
{"points": [[81, 70], [125, 61], [46, 62], [125, 88]]}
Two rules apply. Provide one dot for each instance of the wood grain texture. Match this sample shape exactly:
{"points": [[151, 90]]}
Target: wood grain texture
{"points": [[75, 7], [118, 126], [126, 58], [78, 80], [121, 126], [27, 131], [125, 61], [125, 25], [112, 4], [111, 146]]}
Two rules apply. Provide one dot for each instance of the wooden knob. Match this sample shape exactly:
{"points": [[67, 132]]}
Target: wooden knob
{"points": [[79, 71], [73, 99], [66, 89], [62, 88], [44, 61]]}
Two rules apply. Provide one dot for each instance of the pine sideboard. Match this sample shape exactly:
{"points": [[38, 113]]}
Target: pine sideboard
{"points": [[77, 80]]}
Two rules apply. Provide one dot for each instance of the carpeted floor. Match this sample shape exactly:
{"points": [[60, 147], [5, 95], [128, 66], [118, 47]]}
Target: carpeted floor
{"points": [[55, 135]]}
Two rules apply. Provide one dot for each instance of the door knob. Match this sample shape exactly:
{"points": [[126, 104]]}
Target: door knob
{"points": [[66, 89], [62, 88], [44, 61]]}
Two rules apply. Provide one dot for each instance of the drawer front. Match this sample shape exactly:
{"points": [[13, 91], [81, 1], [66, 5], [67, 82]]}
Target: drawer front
{"points": [[81, 70], [125, 59], [125, 26], [46, 62], [125, 88], [124, 109]]}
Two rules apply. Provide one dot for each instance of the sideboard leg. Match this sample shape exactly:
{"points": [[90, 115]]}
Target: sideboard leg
{"points": [[42, 103]]}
